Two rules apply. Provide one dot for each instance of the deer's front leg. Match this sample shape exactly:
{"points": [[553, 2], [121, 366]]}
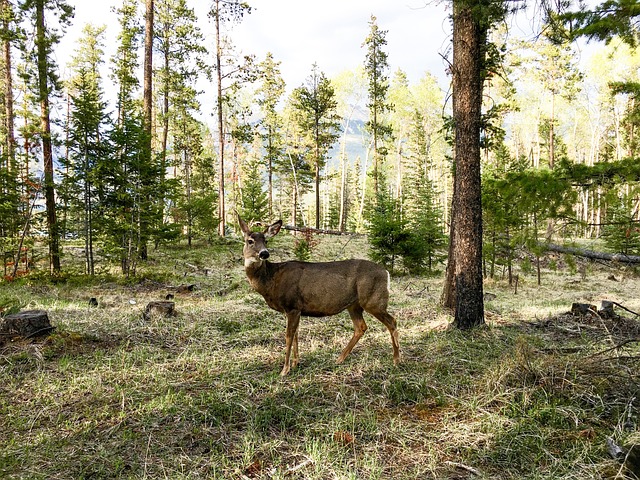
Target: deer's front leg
{"points": [[291, 338]]}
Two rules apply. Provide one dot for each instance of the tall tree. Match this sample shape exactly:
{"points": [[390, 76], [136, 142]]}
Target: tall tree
{"points": [[45, 39], [86, 138], [223, 11], [270, 93], [375, 65], [463, 285], [179, 46], [8, 166], [315, 105]]}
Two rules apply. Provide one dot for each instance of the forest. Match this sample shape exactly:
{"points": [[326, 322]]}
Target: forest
{"points": [[505, 206], [364, 152]]}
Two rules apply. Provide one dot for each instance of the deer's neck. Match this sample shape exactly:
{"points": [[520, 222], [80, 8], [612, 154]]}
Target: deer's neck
{"points": [[259, 275]]}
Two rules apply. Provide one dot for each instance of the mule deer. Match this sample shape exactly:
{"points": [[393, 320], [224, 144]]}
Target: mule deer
{"points": [[317, 290]]}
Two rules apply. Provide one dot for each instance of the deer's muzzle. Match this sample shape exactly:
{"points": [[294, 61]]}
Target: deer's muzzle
{"points": [[264, 254]]}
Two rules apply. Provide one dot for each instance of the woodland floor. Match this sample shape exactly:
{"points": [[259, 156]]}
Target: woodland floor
{"points": [[534, 394]]}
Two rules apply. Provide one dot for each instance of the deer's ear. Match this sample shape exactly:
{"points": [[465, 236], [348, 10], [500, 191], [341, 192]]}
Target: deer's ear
{"points": [[243, 226], [273, 229]]}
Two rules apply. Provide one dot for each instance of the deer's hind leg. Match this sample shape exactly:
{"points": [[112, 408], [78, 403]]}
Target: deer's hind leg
{"points": [[359, 327], [392, 326]]}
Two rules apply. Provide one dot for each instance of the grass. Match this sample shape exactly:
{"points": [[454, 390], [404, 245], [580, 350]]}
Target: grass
{"points": [[534, 394]]}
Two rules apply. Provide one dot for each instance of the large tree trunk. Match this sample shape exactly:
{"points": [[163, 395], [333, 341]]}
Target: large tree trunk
{"points": [[466, 278], [47, 152]]}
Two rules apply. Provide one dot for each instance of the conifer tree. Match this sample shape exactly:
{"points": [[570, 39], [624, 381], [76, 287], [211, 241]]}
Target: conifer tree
{"points": [[315, 107], [87, 143], [376, 64], [9, 174], [226, 12], [270, 92], [47, 84], [124, 201]]}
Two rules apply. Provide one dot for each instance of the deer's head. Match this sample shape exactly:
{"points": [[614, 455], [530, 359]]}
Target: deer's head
{"points": [[255, 243]]}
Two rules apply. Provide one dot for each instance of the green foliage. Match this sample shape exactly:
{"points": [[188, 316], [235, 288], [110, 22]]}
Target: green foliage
{"points": [[609, 19], [304, 245], [622, 229], [395, 241], [315, 106], [375, 65], [255, 205]]}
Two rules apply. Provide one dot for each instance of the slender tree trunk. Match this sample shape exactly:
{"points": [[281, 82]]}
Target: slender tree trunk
{"points": [[47, 151], [317, 179], [221, 206], [552, 146], [147, 100], [8, 89], [270, 172], [466, 241]]}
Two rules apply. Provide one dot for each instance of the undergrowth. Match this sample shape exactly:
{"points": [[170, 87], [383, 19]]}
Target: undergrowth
{"points": [[534, 394]]}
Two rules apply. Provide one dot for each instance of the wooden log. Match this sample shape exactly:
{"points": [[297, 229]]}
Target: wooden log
{"points": [[294, 228], [27, 324], [162, 308], [611, 257]]}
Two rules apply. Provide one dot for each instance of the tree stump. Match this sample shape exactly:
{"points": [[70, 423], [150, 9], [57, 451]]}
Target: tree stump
{"points": [[583, 309], [165, 309], [27, 324], [606, 309]]}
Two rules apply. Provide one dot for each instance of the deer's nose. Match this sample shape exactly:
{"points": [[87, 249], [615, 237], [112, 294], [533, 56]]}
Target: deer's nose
{"points": [[264, 254]]}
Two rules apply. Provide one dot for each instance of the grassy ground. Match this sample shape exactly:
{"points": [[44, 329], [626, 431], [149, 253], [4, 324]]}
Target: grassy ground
{"points": [[534, 394]]}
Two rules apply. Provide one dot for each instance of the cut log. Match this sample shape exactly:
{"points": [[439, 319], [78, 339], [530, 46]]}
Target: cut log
{"points": [[27, 324], [579, 252], [165, 309]]}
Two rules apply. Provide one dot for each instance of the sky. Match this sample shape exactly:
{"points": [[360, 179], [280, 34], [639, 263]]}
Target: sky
{"points": [[301, 32]]}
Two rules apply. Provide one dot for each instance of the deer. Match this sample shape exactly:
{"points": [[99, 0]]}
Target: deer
{"points": [[317, 289]]}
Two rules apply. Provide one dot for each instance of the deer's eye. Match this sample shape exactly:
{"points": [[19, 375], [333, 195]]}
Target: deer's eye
{"points": [[250, 241]]}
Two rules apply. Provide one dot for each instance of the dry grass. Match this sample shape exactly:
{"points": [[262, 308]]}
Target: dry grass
{"points": [[534, 394]]}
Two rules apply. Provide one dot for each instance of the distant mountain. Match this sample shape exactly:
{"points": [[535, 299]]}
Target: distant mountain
{"points": [[355, 146]]}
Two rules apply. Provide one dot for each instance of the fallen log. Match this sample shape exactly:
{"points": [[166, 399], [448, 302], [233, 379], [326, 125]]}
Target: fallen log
{"points": [[579, 252], [318, 230]]}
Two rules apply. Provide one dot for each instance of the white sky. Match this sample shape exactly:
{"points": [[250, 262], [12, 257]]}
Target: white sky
{"points": [[301, 32]]}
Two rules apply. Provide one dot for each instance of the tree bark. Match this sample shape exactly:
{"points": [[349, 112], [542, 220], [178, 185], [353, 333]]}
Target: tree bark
{"points": [[147, 100], [221, 206], [468, 38], [47, 151], [8, 89]]}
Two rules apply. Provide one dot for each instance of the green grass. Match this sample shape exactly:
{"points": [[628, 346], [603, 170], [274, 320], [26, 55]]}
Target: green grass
{"points": [[534, 394]]}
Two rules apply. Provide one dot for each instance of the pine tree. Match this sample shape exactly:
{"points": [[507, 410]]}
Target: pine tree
{"points": [[124, 200], [225, 11], [9, 174], [87, 133], [376, 64], [255, 204], [47, 84], [270, 93], [315, 107], [419, 201], [181, 62]]}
